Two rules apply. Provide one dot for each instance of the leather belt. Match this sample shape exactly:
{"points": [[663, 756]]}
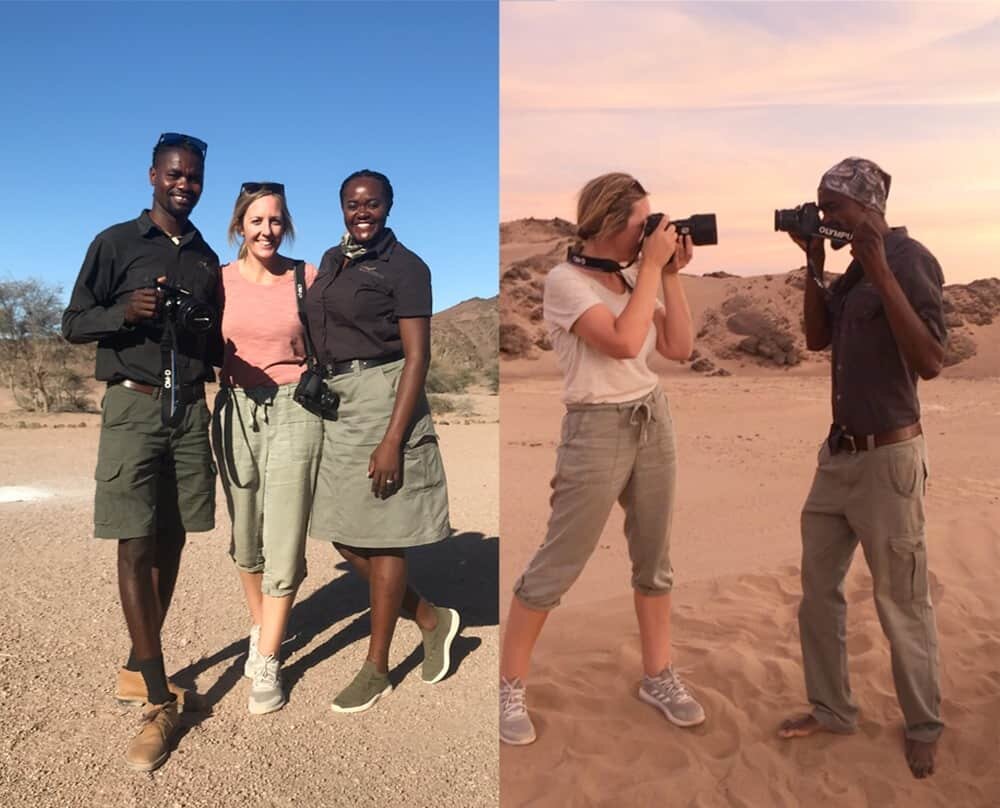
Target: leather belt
{"points": [[348, 365], [840, 439], [185, 393]]}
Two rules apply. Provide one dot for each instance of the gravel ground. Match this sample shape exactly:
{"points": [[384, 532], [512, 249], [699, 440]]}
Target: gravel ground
{"points": [[62, 637]]}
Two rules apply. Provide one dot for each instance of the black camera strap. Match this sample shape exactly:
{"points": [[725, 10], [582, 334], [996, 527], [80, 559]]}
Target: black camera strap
{"points": [[300, 298], [171, 412]]}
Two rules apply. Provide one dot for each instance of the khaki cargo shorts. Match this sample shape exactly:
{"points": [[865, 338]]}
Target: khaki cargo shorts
{"points": [[151, 479]]}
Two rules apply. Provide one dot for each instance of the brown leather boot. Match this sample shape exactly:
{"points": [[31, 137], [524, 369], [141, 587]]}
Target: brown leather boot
{"points": [[151, 747], [130, 688]]}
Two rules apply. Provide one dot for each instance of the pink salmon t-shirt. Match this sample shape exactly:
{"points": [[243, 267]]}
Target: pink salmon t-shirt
{"points": [[261, 329]]}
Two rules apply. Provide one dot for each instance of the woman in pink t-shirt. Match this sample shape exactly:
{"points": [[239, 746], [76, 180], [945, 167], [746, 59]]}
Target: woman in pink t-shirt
{"points": [[267, 445]]}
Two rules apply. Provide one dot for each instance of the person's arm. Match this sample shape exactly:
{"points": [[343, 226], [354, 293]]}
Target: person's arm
{"points": [[92, 314], [921, 350], [819, 332], [384, 465], [674, 328], [622, 337]]}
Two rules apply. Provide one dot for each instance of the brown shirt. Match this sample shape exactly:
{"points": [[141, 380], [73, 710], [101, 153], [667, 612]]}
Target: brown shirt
{"points": [[874, 390], [354, 307]]}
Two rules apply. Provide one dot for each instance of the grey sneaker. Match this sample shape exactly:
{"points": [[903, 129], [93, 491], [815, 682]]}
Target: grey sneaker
{"points": [[253, 657], [516, 728], [266, 692], [667, 693], [366, 689], [437, 645]]}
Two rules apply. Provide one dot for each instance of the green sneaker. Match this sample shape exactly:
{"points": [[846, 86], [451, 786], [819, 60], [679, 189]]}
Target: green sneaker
{"points": [[367, 688], [437, 645]]}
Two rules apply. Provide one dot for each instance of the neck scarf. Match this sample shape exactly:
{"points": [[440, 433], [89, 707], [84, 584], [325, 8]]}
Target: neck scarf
{"points": [[351, 249]]}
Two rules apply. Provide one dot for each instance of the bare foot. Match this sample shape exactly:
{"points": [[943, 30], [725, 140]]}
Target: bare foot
{"points": [[920, 757], [800, 726]]}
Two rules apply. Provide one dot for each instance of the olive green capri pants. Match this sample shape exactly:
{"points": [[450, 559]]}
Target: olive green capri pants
{"points": [[607, 453], [268, 448]]}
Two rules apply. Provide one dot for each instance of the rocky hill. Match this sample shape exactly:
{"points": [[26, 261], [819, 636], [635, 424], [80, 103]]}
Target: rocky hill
{"points": [[464, 339], [740, 322]]}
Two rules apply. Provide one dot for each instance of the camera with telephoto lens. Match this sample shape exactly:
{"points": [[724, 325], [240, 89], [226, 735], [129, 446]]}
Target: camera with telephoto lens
{"points": [[312, 393], [700, 227], [804, 221], [185, 311]]}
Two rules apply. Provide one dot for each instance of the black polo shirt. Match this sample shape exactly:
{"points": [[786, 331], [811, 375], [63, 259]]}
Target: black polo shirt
{"points": [[354, 307], [130, 256], [874, 390]]}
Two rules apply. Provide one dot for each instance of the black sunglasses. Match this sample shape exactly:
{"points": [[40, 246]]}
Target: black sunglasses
{"points": [[270, 187], [178, 139]]}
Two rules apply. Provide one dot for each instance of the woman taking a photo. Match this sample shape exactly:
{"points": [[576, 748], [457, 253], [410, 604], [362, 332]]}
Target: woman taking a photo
{"points": [[617, 440], [266, 444], [381, 485]]}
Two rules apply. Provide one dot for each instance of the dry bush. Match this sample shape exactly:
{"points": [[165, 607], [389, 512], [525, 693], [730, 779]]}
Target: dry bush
{"points": [[36, 363]]}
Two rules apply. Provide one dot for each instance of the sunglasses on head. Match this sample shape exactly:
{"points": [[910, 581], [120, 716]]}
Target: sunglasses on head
{"points": [[270, 187], [178, 139]]}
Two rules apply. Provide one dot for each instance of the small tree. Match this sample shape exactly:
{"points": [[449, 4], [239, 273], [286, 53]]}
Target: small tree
{"points": [[34, 358]]}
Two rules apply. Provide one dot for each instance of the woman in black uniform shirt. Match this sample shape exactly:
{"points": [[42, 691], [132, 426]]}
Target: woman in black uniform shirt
{"points": [[381, 484]]}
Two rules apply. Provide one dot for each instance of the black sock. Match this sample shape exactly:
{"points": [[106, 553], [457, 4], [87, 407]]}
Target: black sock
{"points": [[155, 677], [131, 664]]}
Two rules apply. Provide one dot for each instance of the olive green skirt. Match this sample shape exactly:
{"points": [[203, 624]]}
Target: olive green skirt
{"points": [[344, 509]]}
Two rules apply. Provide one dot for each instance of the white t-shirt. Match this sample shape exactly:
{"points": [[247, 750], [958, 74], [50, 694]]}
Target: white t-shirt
{"points": [[589, 376]]}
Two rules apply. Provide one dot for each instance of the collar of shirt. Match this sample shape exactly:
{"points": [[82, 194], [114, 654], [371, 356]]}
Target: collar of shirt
{"points": [[148, 228]]}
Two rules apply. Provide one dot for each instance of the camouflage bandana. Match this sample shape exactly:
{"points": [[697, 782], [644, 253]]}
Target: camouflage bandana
{"points": [[350, 248], [859, 179]]}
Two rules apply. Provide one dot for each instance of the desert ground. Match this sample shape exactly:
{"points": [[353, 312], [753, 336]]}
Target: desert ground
{"points": [[62, 637], [747, 449], [750, 413]]}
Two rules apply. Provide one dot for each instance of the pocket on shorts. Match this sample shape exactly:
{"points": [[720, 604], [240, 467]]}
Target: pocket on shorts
{"points": [[108, 476], [908, 568], [117, 406], [906, 469], [108, 468]]}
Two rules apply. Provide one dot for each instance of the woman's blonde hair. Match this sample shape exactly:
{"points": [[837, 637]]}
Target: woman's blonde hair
{"points": [[605, 204], [243, 203]]}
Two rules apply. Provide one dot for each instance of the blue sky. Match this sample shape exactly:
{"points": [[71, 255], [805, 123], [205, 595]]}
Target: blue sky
{"points": [[301, 93]]}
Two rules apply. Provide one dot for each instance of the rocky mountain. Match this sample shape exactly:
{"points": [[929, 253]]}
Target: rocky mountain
{"points": [[740, 322]]}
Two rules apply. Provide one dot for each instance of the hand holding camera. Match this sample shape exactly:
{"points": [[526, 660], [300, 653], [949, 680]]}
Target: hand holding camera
{"points": [[142, 304], [868, 247], [660, 241]]}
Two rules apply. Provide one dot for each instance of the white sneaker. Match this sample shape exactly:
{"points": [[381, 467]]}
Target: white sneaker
{"points": [[516, 728], [266, 692], [668, 694], [253, 657]]}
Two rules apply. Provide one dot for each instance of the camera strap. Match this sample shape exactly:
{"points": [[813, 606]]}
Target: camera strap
{"points": [[603, 264], [300, 300], [171, 412]]}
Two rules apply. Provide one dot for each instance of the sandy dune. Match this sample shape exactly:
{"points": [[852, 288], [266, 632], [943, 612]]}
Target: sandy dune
{"points": [[747, 448], [62, 635]]}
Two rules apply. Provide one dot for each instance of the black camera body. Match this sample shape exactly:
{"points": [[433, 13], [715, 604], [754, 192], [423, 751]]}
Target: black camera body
{"points": [[185, 311], [804, 221], [313, 395], [700, 227]]}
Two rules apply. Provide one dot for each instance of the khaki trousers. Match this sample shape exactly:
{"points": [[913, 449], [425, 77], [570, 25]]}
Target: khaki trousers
{"points": [[608, 453], [875, 497]]}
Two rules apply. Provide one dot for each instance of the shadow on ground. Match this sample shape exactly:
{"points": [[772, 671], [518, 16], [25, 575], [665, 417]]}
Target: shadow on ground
{"points": [[460, 572]]}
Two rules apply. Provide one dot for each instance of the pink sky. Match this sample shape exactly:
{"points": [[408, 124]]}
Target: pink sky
{"points": [[739, 108]]}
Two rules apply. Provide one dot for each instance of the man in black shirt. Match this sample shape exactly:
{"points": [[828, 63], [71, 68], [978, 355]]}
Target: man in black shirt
{"points": [[884, 320], [155, 476]]}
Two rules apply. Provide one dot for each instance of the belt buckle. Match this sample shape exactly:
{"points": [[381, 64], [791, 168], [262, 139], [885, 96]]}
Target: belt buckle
{"points": [[847, 436]]}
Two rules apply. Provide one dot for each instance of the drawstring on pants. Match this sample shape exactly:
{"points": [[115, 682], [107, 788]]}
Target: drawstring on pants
{"points": [[640, 415]]}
